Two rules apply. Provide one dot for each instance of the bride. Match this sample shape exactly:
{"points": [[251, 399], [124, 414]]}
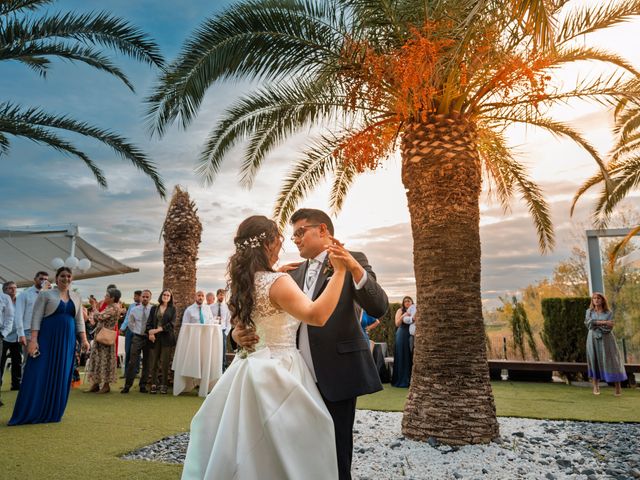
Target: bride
{"points": [[265, 418]]}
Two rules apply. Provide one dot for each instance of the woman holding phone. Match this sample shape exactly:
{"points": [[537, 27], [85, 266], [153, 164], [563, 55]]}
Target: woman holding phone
{"points": [[57, 318]]}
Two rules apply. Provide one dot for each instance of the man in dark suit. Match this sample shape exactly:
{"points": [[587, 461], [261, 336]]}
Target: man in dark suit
{"points": [[337, 354]]}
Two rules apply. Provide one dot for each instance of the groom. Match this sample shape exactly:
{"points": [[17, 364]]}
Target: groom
{"points": [[337, 354]]}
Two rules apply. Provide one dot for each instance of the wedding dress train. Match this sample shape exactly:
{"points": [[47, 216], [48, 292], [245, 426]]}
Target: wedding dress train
{"points": [[265, 418]]}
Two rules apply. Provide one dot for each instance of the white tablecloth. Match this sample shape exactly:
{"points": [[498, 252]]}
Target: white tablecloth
{"points": [[198, 358]]}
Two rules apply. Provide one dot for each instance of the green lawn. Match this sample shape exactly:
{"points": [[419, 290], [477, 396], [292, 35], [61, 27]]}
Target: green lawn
{"points": [[537, 400], [97, 429]]}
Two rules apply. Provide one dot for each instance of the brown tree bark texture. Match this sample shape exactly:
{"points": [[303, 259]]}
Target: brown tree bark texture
{"points": [[182, 233], [450, 397]]}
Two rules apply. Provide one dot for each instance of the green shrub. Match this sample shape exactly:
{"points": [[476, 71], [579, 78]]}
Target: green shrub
{"points": [[564, 333], [386, 331]]}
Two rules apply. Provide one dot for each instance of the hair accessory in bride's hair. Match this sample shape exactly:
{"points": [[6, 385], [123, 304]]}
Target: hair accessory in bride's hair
{"points": [[251, 242]]}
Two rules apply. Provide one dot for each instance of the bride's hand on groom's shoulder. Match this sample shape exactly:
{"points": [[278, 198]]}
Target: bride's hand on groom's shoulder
{"points": [[288, 267]]}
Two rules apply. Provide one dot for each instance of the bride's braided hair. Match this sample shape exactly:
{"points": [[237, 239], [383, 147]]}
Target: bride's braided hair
{"points": [[250, 257]]}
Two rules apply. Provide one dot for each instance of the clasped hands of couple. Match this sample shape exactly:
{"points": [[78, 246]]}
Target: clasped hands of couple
{"points": [[340, 261]]}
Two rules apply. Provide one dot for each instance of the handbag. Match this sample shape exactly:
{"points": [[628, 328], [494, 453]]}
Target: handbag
{"points": [[106, 336]]}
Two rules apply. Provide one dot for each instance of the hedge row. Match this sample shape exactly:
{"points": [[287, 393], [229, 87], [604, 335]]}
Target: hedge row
{"points": [[564, 333]]}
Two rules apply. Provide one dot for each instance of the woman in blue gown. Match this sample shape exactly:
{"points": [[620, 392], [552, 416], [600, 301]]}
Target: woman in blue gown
{"points": [[57, 317], [402, 361]]}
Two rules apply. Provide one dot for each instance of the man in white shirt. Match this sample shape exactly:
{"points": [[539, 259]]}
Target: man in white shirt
{"points": [[6, 321], [139, 343], [198, 312], [10, 346], [24, 309], [221, 316]]}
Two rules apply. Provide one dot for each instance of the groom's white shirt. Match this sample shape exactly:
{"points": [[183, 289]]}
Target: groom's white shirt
{"points": [[303, 339]]}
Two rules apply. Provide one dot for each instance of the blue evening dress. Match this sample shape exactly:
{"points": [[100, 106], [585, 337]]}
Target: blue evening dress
{"points": [[402, 361], [46, 380]]}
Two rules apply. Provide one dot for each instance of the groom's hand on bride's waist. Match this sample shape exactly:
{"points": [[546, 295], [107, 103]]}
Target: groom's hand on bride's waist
{"points": [[245, 337]]}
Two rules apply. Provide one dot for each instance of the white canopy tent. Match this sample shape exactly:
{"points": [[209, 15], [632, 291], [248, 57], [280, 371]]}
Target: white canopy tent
{"points": [[26, 250]]}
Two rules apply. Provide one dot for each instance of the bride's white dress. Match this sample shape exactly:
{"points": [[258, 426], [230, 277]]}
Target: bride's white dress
{"points": [[265, 418]]}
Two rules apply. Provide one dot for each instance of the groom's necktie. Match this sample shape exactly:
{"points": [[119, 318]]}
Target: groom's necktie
{"points": [[312, 272], [201, 316]]}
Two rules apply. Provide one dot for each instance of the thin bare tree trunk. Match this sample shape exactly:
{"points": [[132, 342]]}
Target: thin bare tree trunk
{"points": [[450, 397]]}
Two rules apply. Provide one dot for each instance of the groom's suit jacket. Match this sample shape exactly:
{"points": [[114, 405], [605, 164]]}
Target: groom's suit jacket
{"points": [[341, 357]]}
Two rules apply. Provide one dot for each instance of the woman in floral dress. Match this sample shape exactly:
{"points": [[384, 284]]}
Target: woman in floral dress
{"points": [[102, 361]]}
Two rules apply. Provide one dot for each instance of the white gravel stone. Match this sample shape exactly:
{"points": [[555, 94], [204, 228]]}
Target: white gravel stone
{"points": [[529, 449]]}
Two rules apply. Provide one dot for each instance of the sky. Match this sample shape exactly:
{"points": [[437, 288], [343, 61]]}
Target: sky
{"points": [[40, 186]]}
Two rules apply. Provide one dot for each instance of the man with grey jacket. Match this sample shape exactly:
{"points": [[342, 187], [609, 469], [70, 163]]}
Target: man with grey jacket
{"points": [[337, 354]]}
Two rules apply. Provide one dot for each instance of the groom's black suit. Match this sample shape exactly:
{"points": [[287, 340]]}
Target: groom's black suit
{"points": [[341, 357]]}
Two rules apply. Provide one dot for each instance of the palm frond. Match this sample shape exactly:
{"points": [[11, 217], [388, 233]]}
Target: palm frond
{"points": [[100, 28], [583, 53], [606, 90], [9, 6], [492, 147], [37, 64], [43, 136], [264, 40], [508, 174], [626, 144], [34, 55], [4, 144], [268, 116], [618, 247], [344, 175], [318, 162], [536, 18], [556, 128], [625, 177], [15, 119], [591, 18], [587, 185]]}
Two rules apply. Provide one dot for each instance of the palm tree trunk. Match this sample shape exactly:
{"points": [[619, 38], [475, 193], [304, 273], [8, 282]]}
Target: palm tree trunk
{"points": [[182, 232], [450, 397]]}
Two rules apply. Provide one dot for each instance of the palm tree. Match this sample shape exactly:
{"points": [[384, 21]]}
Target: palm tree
{"points": [[35, 41], [440, 80], [623, 170], [182, 233]]}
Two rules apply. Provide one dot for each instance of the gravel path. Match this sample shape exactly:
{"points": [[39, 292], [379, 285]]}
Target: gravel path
{"points": [[531, 449]]}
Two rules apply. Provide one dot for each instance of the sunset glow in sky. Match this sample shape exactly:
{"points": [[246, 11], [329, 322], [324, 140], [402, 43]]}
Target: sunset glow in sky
{"points": [[39, 186]]}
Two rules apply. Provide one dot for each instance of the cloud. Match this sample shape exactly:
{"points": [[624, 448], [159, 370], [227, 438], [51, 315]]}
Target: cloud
{"points": [[41, 186]]}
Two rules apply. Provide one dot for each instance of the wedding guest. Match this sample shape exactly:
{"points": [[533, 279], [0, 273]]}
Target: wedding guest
{"points": [[128, 336], [221, 316], [139, 344], [11, 348], [6, 322], [198, 312], [161, 338], [603, 357], [368, 323], [7, 314], [102, 361], [104, 302], [412, 327], [402, 357], [210, 297], [24, 310], [101, 307], [57, 318]]}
